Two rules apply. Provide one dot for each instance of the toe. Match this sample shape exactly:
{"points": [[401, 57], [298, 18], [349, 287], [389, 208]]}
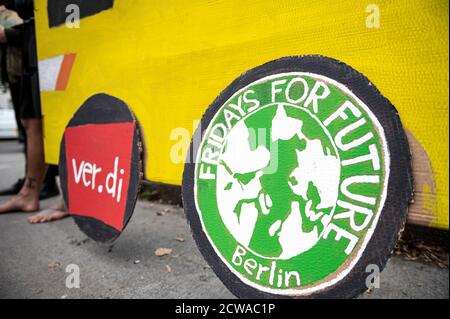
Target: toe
{"points": [[32, 219], [44, 219]]}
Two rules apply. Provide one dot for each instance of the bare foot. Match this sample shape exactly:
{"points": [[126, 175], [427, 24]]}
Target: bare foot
{"points": [[26, 203], [51, 214]]}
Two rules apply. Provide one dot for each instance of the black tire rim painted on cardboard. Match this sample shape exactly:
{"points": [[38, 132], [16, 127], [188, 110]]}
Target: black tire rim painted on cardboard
{"points": [[399, 185], [98, 110]]}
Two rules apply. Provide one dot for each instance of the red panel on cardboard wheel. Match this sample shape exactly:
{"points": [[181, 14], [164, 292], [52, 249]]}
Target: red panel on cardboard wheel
{"points": [[98, 159]]}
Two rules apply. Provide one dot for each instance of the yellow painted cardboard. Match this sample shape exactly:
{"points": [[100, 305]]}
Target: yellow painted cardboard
{"points": [[170, 59]]}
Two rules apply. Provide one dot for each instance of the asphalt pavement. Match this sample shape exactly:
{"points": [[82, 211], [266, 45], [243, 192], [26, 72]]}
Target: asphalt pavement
{"points": [[34, 259]]}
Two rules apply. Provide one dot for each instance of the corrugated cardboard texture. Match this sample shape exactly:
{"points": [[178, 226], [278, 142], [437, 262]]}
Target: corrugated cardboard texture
{"points": [[169, 60]]}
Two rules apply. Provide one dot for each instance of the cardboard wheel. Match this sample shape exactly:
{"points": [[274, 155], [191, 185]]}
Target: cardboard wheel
{"points": [[300, 185], [100, 167]]}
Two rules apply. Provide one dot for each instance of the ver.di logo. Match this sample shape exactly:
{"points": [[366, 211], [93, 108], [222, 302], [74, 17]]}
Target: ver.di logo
{"points": [[290, 180]]}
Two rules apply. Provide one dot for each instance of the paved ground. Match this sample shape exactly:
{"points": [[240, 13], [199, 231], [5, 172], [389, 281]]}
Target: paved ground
{"points": [[130, 269]]}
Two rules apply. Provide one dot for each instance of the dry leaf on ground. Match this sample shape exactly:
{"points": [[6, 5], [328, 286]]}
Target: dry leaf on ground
{"points": [[160, 252], [54, 265]]}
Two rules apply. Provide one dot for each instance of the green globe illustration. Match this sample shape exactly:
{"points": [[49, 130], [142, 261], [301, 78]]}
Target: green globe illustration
{"points": [[278, 181]]}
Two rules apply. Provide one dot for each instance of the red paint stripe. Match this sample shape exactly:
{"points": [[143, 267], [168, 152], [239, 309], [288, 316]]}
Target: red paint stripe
{"points": [[64, 73]]}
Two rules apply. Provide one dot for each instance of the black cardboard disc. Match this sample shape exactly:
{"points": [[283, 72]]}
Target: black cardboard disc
{"points": [[100, 167], [298, 246]]}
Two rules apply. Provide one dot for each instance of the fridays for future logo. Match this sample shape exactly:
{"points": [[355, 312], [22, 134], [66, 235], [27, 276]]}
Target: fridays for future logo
{"points": [[290, 179]]}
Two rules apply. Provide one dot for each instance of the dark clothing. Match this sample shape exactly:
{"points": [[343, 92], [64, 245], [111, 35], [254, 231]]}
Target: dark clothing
{"points": [[14, 89], [25, 36], [15, 96], [11, 75], [30, 102]]}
